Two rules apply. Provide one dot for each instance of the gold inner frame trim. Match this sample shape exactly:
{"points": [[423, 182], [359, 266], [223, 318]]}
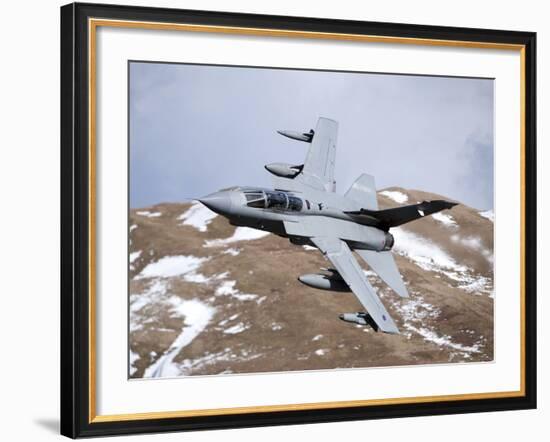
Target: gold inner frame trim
{"points": [[93, 24]]}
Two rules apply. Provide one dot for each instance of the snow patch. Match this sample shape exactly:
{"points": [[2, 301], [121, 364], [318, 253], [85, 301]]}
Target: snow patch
{"points": [[133, 226], [430, 257], [474, 243], [227, 288], [445, 340], [231, 251], [221, 276], [321, 352], [478, 285], [139, 300], [134, 256], [445, 219], [416, 312], [133, 358], [149, 214], [416, 309], [226, 321], [370, 274], [197, 278], [198, 216], [423, 252], [189, 365], [398, 197], [470, 241], [171, 266], [244, 296], [317, 337], [489, 214], [238, 328], [240, 234], [153, 295], [196, 315]]}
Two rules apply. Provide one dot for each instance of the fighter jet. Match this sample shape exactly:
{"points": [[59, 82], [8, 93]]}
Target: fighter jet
{"points": [[304, 207]]}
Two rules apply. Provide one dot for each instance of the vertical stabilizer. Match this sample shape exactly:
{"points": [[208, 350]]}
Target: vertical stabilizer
{"points": [[363, 191]]}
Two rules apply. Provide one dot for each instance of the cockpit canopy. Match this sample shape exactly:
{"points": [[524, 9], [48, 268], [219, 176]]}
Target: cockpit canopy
{"points": [[265, 199]]}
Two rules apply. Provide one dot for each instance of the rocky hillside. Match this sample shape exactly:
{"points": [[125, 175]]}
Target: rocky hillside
{"points": [[208, 298]]}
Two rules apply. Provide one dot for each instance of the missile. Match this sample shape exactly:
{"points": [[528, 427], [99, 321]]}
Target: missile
{"points": [[306, 137], [359, 318], [324, 282], [283, 169]]}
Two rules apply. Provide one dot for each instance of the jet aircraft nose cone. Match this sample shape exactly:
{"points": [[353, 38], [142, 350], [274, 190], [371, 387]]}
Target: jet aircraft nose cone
{"points": [[219, 202]]}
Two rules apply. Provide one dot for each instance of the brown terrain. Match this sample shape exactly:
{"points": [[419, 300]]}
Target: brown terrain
{"points": [[207, 298]]}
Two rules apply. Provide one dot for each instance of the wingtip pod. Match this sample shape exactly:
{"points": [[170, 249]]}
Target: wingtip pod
{"points": [[305, 137], [284, 170], [359, 318], [362, 318]]}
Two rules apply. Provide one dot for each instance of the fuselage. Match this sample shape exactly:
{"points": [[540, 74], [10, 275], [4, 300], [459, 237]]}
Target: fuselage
{"points": [[281, 212]]}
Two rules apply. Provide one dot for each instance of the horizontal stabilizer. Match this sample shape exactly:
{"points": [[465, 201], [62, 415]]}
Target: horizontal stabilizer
{"points": [[383, 264], [397, 216]]}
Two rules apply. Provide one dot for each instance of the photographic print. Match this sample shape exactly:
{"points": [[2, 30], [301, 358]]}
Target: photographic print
{"points": [[287, 220], [256, 205]]}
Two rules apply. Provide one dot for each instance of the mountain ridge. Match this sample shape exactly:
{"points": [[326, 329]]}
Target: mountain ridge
{"points": [[208, 298]]}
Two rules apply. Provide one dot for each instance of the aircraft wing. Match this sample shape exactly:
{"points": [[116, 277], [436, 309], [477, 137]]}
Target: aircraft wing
{"points": [[319, 164], [318, 169], [341, 257]]}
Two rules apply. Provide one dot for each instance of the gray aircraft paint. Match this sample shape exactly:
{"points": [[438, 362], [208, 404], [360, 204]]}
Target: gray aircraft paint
{"points": [[304, 208]]}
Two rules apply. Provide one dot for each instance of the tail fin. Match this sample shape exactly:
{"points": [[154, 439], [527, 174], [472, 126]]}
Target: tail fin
{"points": [[383, 264], [364, 192]]}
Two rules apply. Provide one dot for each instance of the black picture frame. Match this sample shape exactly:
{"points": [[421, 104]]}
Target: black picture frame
{"points": [[76, 402]]}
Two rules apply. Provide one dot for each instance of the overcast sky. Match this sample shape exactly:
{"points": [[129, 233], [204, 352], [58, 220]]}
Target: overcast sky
{"points": [[197, 129]]}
